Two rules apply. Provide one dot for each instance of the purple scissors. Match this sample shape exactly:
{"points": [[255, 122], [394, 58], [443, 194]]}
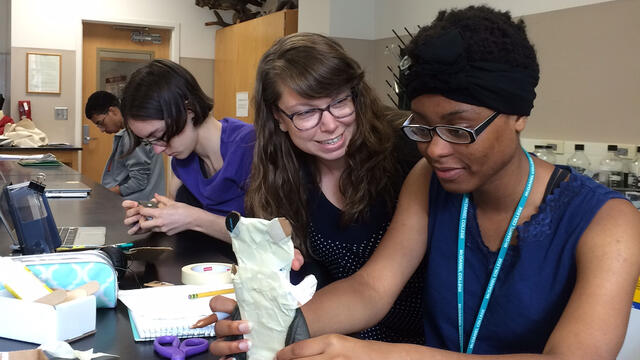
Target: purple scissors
{"points": [[177, 351]]}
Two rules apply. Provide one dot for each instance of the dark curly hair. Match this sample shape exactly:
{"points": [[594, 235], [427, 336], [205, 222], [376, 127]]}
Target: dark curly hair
{"points": [[489, 35]]}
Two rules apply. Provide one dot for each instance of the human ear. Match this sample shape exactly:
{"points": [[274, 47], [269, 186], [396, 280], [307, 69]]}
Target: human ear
{"points": [[190, 115], [279, 120], [521, 123], [115, 112]]}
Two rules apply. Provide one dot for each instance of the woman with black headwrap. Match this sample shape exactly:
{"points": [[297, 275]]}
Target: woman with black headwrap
{"points": [[522, 257]]}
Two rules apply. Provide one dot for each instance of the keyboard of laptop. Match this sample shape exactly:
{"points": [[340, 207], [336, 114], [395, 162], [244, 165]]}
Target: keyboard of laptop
{"points": [[68, 235]]}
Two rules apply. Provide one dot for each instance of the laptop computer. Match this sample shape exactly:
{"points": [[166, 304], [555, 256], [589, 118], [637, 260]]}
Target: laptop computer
{"points": [[63, 236], [67, 189]]}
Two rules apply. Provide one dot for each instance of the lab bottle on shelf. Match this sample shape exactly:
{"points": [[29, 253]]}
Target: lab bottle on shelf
{"points": [[550, 154], [538, 150], [611, 169], [633, 179], [579, 160], [543, 153]]}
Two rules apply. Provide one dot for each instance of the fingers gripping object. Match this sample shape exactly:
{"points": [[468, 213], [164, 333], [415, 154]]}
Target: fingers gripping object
{"points": [[148, 204], [298, 330], [265, 295]]}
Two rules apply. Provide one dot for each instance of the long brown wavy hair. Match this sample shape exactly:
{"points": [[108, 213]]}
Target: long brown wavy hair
{"points": [[315, 66]]}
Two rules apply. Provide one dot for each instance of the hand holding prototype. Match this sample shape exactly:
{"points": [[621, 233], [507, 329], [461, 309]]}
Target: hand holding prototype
{"points": [[170, 216], [132, 217], [335, 346], [298, 260], [225, 328]]}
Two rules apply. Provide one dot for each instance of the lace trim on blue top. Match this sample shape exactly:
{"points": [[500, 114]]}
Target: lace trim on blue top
{"points": [[543, 221]]}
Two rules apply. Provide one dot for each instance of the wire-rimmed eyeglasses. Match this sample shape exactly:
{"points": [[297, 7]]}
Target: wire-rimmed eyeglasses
{"points": [[448, 133]]}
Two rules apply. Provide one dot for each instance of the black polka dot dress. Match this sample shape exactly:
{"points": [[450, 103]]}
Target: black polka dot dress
{"points": [[344, 250]]}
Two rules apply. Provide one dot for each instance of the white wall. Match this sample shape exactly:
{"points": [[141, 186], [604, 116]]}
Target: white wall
{"points": [[374, 19], [338, 18], [411, 13], [314, 16], [353, 18], [58, 24]]}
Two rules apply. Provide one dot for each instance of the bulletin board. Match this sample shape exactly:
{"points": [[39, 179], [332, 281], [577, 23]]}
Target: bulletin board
{"points": [[43, 73]]}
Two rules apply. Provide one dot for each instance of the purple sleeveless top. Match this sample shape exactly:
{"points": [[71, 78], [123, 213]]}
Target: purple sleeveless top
{"points": [[224, 191]]}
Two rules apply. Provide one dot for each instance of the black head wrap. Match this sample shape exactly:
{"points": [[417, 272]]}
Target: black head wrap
{"points": [[440, 66]]}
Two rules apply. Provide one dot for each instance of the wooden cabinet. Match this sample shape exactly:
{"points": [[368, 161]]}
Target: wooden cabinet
{"points": [[239, 48]]}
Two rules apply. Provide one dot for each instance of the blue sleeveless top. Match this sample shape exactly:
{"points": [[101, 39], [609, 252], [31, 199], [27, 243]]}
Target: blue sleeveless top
{"points": [[537, 276]]}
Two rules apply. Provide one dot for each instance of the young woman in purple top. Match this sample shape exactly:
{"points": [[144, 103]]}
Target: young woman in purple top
{"points": [[524, 260], [164, 106]]}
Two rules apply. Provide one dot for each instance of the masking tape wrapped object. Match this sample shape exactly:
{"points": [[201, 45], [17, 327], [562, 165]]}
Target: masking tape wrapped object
{"points": [[264, 292], [206, 274]]}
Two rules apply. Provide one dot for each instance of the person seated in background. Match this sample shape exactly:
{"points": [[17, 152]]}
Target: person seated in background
{"points": [[522, 257], [165, 108], [331, 159], [134, 175]]}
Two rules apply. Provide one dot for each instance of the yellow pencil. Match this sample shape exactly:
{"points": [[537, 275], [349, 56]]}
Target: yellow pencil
{"points": [[211, 293]]}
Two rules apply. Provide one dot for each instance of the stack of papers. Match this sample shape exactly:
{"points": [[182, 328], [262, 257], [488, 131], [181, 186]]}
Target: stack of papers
{"points": [[47, 156], [168, 310]]}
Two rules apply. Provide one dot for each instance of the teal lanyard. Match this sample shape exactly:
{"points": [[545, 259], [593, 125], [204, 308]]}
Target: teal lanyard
{"points": [[462, 227]]}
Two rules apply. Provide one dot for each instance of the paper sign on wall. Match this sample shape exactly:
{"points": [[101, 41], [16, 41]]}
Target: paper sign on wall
{"points": [[242, 104]]}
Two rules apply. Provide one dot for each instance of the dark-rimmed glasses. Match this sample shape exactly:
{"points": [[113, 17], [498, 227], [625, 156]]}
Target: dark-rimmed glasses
{"points": [[310, 118], [159, 141], [448, 133], [100, 123], [162, 139]]}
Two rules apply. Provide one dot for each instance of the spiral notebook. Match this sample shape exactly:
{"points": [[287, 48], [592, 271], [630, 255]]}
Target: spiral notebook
{"points": [[167, 310]]}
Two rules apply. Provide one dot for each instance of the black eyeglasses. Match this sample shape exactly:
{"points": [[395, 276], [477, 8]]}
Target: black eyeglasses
{"points": [[310, 118], [160, 141], [100, 123], [448, 133]]}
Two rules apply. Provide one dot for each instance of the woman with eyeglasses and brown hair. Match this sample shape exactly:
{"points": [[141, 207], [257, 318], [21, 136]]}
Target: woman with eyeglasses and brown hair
{"points": [[330, 159], [164, 107]]}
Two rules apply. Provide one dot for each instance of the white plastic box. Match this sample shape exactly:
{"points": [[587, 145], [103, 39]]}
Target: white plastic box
{"points": [[40, 323]]}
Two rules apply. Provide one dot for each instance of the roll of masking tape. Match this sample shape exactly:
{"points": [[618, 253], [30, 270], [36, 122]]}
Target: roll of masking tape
{"points": [[206, 274]]}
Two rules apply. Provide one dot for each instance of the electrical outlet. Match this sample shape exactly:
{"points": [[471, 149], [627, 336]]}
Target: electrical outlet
{"points": [[61, 113]]}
